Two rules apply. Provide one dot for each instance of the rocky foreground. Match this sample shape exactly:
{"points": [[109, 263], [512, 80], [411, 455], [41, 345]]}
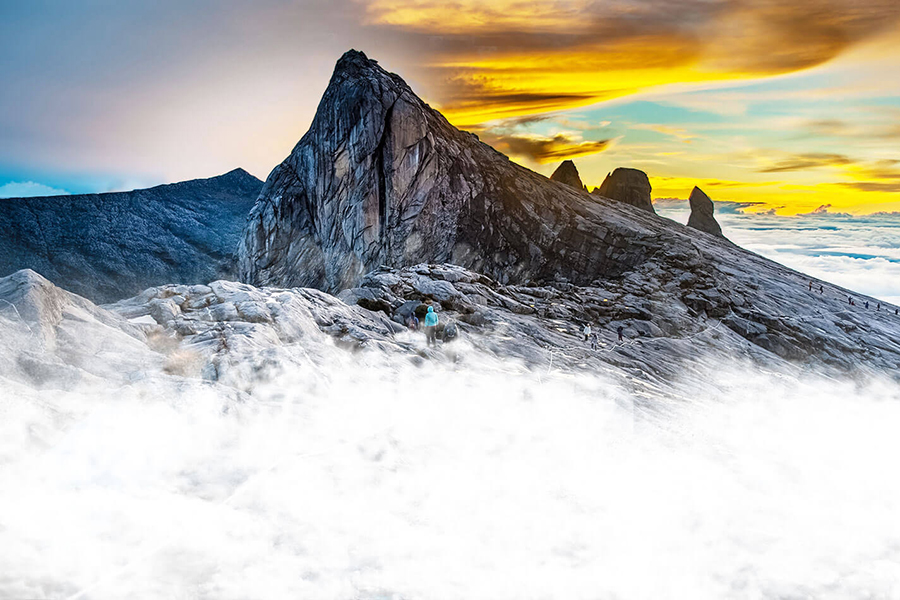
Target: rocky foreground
{"points": [[677, 315]]}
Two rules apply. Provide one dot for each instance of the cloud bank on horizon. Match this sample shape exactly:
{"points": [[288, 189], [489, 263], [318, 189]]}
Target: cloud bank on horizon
{"points": [[858, 252], [792, 105]]}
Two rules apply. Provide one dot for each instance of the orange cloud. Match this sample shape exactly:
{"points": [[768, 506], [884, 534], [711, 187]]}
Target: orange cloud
{"points": [[543, 149]]}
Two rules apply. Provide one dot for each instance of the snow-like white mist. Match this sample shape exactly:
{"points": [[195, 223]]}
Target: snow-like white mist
{"points": [[363, 475]]}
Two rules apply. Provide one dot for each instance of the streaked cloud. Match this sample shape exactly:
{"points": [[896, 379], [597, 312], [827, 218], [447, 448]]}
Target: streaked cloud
{"points": [[544, 150], [812, 160]]}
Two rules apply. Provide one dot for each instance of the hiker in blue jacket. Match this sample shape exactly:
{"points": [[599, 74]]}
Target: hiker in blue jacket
{"points": [[431, 321]]}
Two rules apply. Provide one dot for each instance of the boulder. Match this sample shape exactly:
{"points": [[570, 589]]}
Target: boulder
{"points": [[702, 213], [630, 186]]}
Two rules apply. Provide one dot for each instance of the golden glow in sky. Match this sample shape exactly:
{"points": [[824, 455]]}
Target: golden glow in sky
{"points": [[794, 105]]}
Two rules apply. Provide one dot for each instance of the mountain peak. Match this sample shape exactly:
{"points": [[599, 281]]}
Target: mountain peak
{"points": [[381, 178], [567, 173], [238, 175], [354, 57]]}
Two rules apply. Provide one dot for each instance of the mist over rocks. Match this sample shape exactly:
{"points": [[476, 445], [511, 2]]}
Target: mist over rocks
{"points": [[630, 186], [53, 339], [702, 213], [111, 246], [567, 173]]}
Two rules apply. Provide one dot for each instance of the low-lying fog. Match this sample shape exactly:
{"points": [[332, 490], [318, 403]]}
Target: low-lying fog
{"points": [[361, 475]]}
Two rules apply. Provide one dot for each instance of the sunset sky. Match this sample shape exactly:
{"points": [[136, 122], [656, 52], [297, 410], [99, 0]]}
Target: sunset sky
{"points": [[792, 107]]}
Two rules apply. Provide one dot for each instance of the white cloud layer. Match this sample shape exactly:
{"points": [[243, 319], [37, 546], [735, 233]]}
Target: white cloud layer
{"points": [[27, 189]]}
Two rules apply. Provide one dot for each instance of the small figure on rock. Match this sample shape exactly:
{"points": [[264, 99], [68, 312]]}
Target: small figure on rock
{"points": [[587, 331], [431, 321], [594, 341], [879, 306], [413, 322], [821, 289], [621, 332], [867, 304], [810, 286]]}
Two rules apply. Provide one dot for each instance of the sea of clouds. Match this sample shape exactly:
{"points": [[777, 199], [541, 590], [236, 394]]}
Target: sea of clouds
{"points": [[861, 253], [368, 476]]}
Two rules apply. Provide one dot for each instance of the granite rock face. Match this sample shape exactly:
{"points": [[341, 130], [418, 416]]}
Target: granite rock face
{"points": [[111, 246], [630, 186], [567, 173], [702, 213], [380, 178]]}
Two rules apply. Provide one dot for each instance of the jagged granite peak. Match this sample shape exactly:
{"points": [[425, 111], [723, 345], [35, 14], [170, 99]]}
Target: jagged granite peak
{"points": [[567, 173], [631, 186], [113, 245], [702, 213], [381, 178]]}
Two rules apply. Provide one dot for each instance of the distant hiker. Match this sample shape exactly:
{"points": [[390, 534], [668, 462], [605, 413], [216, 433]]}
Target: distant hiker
{"points": [[821, 289], [810, 286], [897, 311], [867, 304], [621, 331], [587, 331], [431, 321], [879, 306], [413, 322], [594, 341]]}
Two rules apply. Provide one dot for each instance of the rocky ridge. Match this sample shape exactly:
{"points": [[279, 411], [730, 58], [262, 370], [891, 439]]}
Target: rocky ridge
{"points": [[678, 317], [111, 246]]}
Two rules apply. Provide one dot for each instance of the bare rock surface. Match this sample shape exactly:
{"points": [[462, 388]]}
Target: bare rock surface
{"points": [[673, 310], [567, 173], [702, 213], [678, 314], [381, 178], [111, 246], [630, 186], [51, 338]]}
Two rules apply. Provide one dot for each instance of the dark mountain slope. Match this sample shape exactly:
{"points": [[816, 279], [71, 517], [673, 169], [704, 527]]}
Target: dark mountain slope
{"points": [[109, 246]]}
